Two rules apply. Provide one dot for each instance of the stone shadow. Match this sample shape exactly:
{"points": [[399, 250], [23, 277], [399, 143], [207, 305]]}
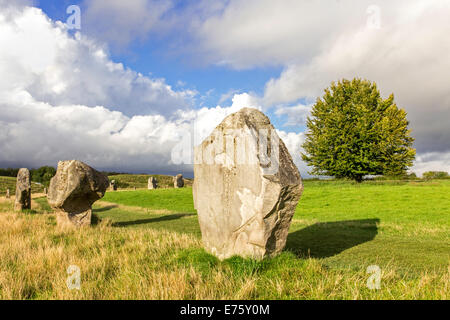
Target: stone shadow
{"points": [[326, 239], [152, 220], [106, 208]]}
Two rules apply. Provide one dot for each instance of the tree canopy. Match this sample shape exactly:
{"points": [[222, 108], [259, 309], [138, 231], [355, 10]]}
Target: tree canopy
{"points": [[353, 132], [43, 175]]}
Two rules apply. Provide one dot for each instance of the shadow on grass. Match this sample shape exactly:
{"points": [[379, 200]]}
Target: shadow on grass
{"points": [[152, 220], [326, 239], [29, 211], [95, 219], [106, 208]]}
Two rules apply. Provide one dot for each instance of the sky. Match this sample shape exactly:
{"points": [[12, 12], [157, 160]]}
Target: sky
{"points": [[123, 89]]}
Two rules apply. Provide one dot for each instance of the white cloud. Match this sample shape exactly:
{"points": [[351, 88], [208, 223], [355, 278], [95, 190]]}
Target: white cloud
{"points": [[296, 115], [432, 162], [204, 120], [57, 68], [36, 133], [15, 3], [249, 33], [409, 56], [293, 142], [121, 22], [63, 98], [318, 42]]}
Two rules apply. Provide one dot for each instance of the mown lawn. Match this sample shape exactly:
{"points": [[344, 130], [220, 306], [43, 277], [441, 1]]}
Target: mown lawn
{"points": [[405, 225], [174, 200], [148, 246]]}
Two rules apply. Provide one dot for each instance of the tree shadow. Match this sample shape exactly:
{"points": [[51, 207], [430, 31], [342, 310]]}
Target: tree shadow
{"points": [[326, 239], [106, 208], [152, 220]]}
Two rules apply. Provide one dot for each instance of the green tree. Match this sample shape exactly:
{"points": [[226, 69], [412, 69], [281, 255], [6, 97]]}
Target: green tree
{"points": [[353, 132], [10, 172], [435, 175], [43, 175]]}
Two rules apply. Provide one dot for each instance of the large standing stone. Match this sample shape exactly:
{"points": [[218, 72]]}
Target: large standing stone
{"points": [[73, 190], [178, 181], [246, 187], [23, 190], [152, 183]]}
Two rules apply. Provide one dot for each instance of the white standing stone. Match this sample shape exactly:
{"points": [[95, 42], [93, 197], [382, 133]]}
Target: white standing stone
{"points": [[113, 185], [73, 190], [152, 183], [246, 187], [23, 190]]}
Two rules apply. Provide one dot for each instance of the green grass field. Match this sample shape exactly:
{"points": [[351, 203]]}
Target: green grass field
{"points": [[10, 183], [148, 246], [342, 224]]}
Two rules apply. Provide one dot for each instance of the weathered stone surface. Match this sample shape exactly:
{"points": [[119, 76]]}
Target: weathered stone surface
{"points": [[73, 190], [152, 183], [23, 190], [178, 181], [8, 194], [246, 187], [113, 185]]}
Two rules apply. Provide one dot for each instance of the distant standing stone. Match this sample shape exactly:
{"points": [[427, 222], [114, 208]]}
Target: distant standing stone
{"points": [[45, 190], [113, 185], [246, 187], [152, 183], [178, 181], [23, 190], [73, 190], [8, 195]]}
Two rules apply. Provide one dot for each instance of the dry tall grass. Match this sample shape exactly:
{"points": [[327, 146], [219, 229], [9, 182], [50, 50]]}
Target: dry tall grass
{"points": [[115, 263], [127, 263]]}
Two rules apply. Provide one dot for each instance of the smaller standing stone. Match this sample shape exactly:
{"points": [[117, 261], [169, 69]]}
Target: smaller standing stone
{"points": [[152, 183], [113, 185], [134, 188], [8, 195], [73, 190], [23, 190], [45, 191], [178, 181]]}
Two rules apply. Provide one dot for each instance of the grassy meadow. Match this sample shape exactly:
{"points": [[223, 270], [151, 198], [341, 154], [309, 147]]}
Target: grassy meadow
{"points": [[10, 183], [146, 244]]}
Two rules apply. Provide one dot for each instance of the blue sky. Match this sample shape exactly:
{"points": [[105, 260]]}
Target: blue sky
{"points": [[121, 92], [154, 57]]}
